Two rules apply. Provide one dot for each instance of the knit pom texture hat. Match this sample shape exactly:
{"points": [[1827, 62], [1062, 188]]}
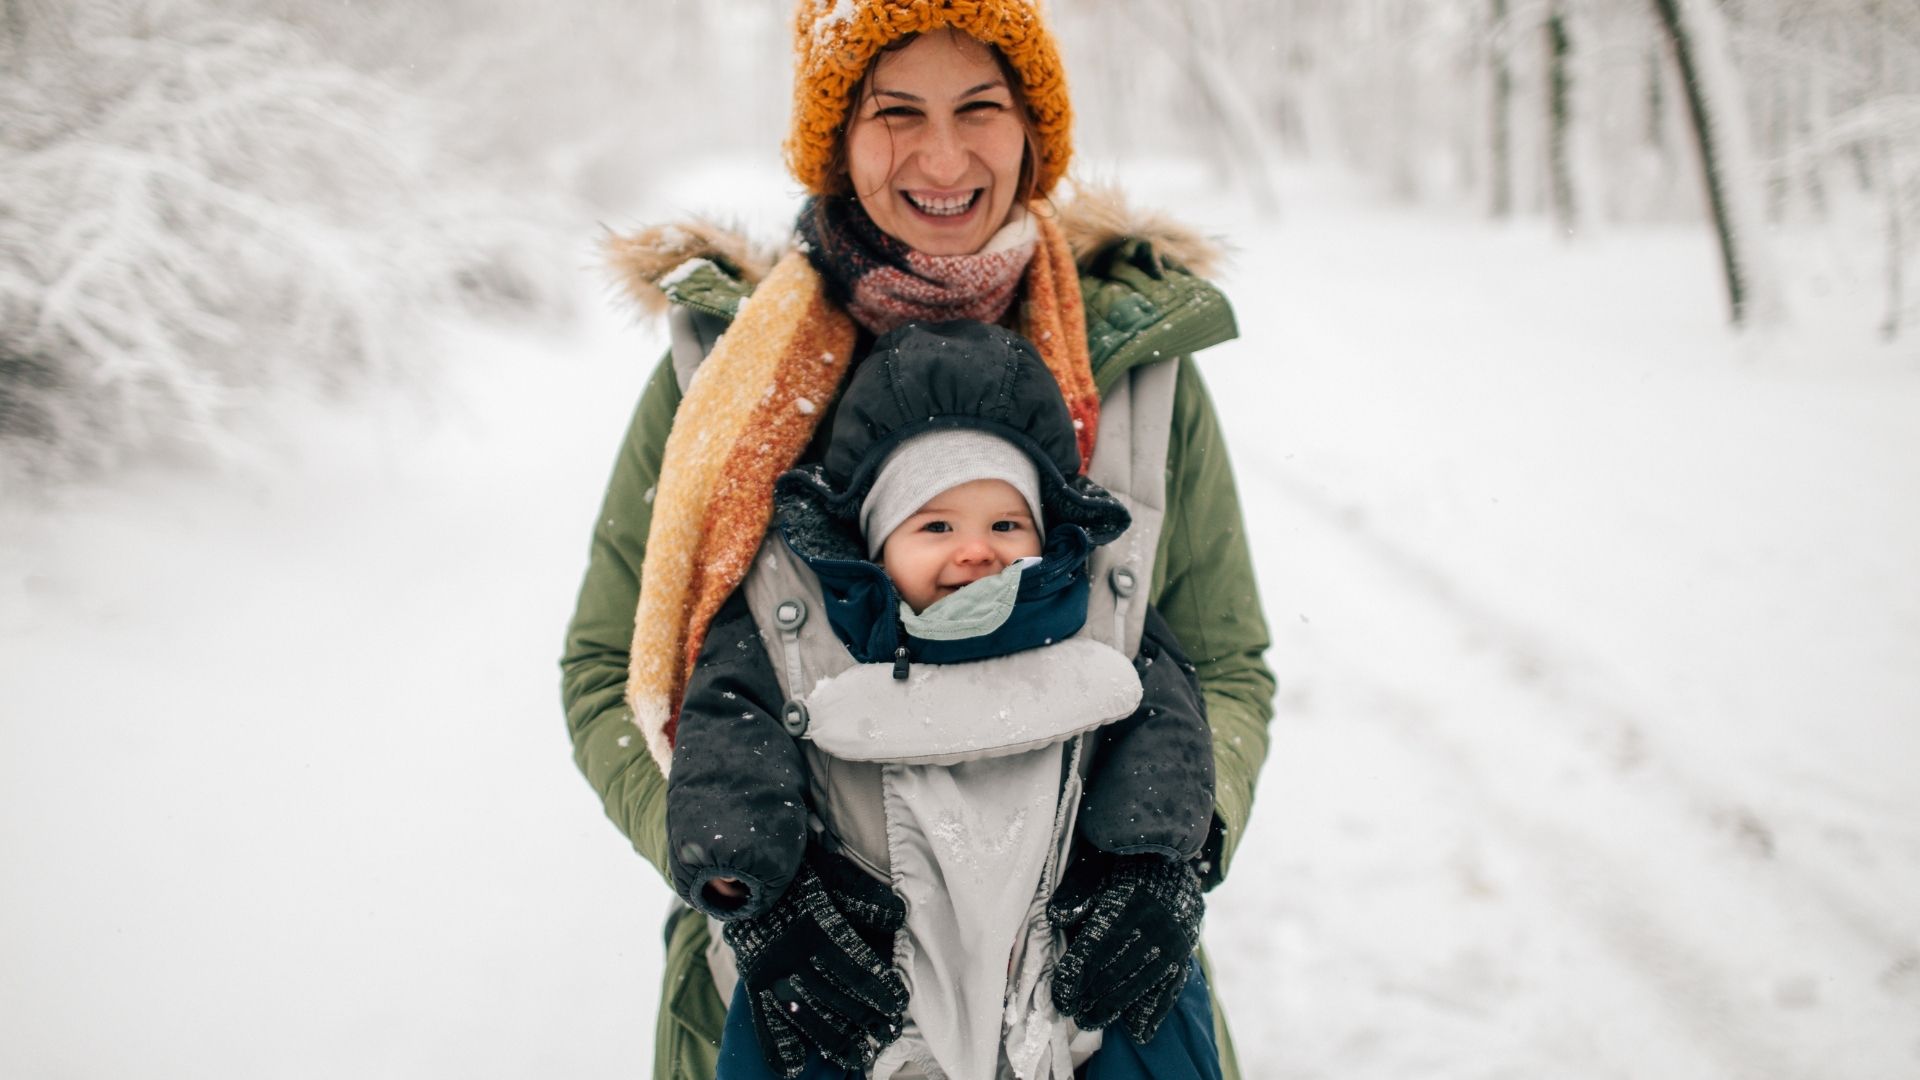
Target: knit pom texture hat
{"points": [[836, 40]]}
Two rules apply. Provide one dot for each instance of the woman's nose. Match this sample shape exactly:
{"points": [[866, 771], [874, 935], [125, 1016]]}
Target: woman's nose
{"points": [[943, 155]]}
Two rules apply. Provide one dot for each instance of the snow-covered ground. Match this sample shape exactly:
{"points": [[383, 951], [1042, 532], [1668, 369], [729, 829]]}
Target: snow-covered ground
{"points": [[1600, 712]]}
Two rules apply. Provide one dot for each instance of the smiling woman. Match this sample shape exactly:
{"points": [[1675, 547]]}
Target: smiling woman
{"points": [[937, 148], [930, 136]]}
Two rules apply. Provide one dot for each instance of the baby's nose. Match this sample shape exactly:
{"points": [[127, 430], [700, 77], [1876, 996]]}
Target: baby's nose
{"points": [[975, 551]]}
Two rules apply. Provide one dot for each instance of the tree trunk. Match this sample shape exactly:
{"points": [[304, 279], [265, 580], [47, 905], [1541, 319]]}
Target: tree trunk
{"points": [[1698, 36], [1778, 184], [1560, 121], [1813, 97], [1500, 120], [1894, 191], [1656, 125]]}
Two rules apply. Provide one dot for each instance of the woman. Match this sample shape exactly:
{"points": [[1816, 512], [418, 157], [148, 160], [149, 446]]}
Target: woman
{"points": [[931, 135]]}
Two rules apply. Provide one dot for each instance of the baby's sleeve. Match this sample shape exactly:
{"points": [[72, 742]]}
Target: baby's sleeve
{"points": [[1150, 788], [736, 797]]}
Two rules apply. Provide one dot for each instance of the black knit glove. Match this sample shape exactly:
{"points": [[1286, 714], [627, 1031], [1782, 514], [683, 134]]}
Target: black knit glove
{"points": [[814, 977], [876, 914], [1132, 922]]}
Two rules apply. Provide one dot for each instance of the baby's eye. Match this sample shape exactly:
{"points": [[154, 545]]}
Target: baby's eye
{"points": [[1009, 525], [936, 527]]}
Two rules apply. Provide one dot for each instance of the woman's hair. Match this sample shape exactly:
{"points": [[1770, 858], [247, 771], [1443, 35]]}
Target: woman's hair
{"points": [[838, 172]]}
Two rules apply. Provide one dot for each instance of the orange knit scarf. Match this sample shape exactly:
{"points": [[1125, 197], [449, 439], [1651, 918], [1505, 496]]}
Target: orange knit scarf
{"points": [[747, 417]]}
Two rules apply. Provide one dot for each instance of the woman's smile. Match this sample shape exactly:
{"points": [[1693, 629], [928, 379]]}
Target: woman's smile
{"points": [[944, 206]]}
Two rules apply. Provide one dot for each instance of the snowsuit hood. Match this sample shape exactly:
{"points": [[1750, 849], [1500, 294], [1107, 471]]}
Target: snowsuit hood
{"points": [[924, 377]]}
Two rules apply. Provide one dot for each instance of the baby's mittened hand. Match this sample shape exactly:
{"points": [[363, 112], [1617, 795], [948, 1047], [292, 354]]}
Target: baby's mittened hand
{"points": [[1132, 923]]}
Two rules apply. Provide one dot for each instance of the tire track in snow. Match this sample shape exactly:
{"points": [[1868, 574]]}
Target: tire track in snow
{"points": [[1582, 875], [1614, 732], [1612, 743]]}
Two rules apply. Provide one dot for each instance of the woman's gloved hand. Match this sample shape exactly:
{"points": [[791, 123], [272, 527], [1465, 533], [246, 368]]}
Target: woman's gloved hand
{"points": [[818, 967], [1132, 922], [877, 914]]}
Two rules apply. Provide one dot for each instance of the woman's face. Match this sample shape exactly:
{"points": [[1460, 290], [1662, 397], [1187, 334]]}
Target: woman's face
{"points": [[934, 148]]}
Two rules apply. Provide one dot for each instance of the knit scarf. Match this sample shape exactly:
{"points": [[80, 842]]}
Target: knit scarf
{"points": [[885, 284], [746, 419]]}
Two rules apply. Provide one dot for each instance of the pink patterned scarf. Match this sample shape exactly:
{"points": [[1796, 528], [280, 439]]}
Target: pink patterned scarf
{"points": [[885, 283]]}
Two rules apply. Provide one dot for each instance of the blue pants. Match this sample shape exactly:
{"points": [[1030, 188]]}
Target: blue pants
{"points": [[1183, 1048]]}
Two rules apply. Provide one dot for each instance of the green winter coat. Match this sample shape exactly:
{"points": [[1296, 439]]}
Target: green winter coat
{"points": [[1140, 308]]}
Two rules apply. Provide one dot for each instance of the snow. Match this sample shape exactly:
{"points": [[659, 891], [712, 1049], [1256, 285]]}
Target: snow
{"points": [[833, 20], [1596, 732], [684, 271]]}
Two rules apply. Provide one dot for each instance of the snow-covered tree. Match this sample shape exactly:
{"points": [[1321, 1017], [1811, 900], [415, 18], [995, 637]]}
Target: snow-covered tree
{"points": [[195, 209], [1717, 102]]}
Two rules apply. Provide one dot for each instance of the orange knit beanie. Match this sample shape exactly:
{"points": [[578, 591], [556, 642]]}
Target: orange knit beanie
{"points": [[835, 40]]}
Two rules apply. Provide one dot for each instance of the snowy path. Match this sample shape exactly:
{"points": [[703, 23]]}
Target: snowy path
{"points": [[1490, 852], [1594, 760], [1504, 844]]}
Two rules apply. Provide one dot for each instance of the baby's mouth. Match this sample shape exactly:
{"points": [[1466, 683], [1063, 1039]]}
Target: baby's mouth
{"points": [[943, 205]]}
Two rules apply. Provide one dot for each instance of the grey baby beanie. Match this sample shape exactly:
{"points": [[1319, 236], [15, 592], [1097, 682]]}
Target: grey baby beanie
{"points": [[936, 461]]}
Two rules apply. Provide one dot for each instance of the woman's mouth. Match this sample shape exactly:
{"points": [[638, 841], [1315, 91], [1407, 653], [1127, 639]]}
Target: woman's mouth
{"points": [[943, 206]]}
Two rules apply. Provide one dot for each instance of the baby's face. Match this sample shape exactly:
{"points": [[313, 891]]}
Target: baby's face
{"points": [[961, 535]]}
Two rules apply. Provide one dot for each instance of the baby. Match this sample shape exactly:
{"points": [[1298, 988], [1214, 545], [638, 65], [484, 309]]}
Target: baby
{"points": [[1014, 778]]}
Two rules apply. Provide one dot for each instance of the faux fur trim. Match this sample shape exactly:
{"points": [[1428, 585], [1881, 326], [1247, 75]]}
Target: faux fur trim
{"points": [[1100, 217], [1094, 220], [641, 261]]}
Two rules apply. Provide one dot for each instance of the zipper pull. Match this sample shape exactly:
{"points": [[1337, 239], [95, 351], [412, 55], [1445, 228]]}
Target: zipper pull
{"points": [[900, 659]]}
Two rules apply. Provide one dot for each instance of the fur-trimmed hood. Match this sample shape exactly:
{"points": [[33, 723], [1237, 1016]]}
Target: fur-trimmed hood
{"points": [[649, 263]]}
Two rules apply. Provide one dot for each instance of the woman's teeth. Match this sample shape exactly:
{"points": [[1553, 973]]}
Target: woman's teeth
{"points": [[948, 206]]}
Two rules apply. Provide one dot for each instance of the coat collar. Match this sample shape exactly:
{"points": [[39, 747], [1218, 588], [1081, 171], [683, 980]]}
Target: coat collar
{"points": [[705, 264], [863, 606]]}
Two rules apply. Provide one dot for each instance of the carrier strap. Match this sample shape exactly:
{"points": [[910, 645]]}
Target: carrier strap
{"points": [[691, 335], [1130, 460]]}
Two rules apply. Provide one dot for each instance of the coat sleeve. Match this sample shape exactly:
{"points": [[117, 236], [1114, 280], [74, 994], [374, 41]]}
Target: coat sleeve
{"points": [[1151, 785], [736, 800], [593, 668], [1204, 587]]}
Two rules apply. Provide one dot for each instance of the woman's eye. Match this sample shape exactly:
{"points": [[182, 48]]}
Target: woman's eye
{"points": [[896, 112], [981, 107]]}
